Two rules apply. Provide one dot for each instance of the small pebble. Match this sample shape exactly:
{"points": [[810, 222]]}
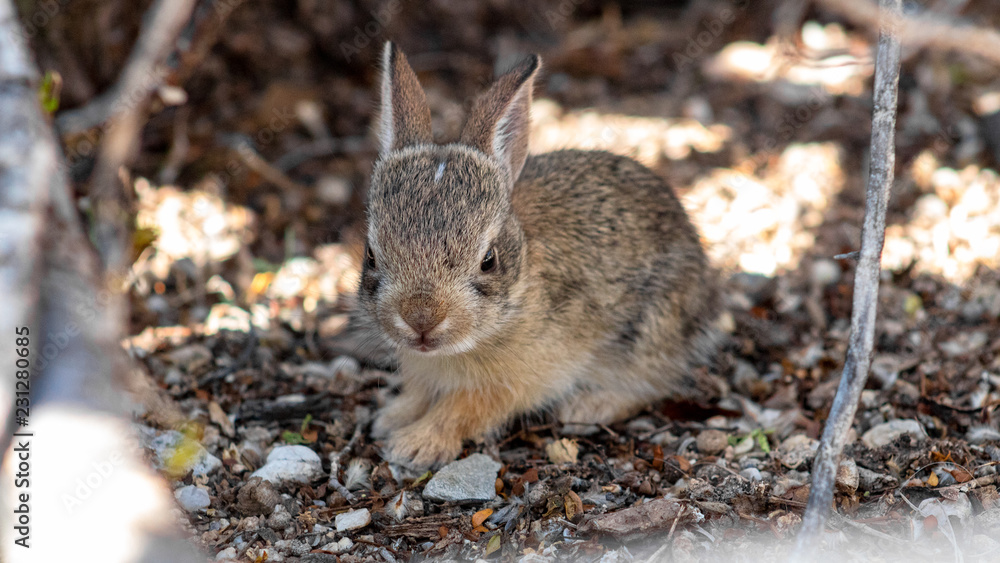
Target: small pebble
{"points": [[825, 272], [297, 464], [345, 365], [883, 434], [345, 544], [847, 476], [257, 496], [192, 498], [712, 441], [280, 518], [470, 479], [869, 480], [353, 519]]}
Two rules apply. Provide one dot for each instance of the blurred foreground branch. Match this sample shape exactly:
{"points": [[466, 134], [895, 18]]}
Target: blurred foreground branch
{"points": [[143, 74], [927, 30], [866, 282], [82, 487], [24, 169]]}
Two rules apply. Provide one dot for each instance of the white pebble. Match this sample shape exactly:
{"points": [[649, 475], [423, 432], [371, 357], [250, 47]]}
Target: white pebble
{"points": [[191, 498], [353, 519], [297, 464]]}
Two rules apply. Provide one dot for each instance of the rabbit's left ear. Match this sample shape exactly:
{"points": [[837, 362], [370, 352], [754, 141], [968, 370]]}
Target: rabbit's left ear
{"points": [[404, 117], [499, 120]]}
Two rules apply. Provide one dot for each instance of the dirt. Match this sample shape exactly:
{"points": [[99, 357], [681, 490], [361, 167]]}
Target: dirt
{"points": [[771, 164]]}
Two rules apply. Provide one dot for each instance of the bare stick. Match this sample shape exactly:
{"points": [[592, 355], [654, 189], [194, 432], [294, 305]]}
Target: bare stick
{"points": [[928, 30], [143, 74], [73, 401], [866, 280], [24, 162]]}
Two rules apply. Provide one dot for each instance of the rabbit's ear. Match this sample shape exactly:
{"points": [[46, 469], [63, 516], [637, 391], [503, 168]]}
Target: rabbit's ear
{"points": [[499, 120], [404, 117]]}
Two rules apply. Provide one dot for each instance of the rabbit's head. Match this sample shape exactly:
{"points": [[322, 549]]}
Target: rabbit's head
{"points": [[444, 253]]}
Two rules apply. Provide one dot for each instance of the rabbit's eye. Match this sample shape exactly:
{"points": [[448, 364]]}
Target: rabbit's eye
{"points": [[370, 257], [489, 262]]}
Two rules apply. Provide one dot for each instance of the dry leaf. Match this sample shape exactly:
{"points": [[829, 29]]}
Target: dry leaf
{"points": [[574, 506], [961, 475], [682, 463], [493, 544], [219, 418], [562, 451], [638, 521], [481, 516], [932, 480]]}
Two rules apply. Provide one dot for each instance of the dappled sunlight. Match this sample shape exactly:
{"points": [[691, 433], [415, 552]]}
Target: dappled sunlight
{"points": [[953, 228], [650, 140], [762, 224], [193, 224], [838, 69]]}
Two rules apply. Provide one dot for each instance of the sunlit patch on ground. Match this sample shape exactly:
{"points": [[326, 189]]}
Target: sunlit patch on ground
{"points": [[953, 228], [650, 140]]}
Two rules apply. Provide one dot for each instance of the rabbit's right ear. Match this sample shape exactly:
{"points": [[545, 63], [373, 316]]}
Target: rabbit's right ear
{"points": [[404, 117], [499, 120]]}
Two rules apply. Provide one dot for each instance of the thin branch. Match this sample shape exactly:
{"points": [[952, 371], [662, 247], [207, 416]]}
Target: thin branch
{"points": [[143, 74], [76, 362], [928, 30], [24, 160], [866, 281]]}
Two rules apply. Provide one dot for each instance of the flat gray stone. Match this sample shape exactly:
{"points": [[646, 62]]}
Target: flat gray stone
{"points": [[883, 434], [192, 498], [471, 479], [297, 464], [353, 519]]}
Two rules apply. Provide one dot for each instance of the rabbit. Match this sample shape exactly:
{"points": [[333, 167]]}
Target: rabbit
{"points": [[510, 284]]}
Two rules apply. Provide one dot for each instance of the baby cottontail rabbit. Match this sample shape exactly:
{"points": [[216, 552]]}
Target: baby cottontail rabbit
{"points": [[570, 280]]}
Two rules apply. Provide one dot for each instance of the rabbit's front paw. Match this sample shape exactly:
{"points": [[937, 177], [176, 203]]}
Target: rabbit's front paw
{"points": [[398, 413], [421, 446]]}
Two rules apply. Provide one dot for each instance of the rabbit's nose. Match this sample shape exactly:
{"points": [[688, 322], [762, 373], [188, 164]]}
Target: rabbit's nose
{"points": [[423, 324], [423, 317]]}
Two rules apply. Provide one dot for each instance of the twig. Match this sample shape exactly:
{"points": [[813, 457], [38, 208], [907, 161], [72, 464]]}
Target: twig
{"points": [[142, 75], [928, 30], [334, 480], [75, 394], [25, 162], [245, 151], [870, 531], [866, 281], [318, 148]]}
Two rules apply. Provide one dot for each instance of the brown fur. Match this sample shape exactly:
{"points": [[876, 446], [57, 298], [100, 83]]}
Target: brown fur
{"points": [[600, 300]]}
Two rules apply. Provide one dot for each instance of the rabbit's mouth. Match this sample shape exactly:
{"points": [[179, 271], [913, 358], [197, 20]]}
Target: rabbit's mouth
{"points": [[425, 337], [426, 345]]}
